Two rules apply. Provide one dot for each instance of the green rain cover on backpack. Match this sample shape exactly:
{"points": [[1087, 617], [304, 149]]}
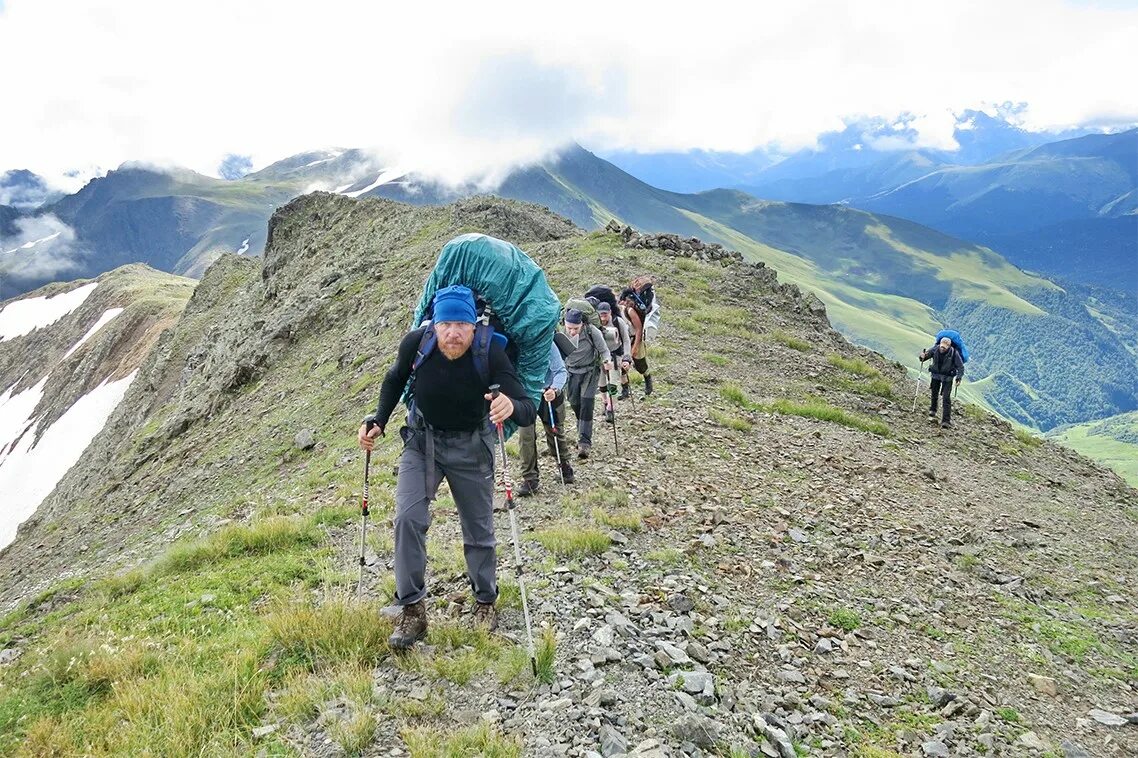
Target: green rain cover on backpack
{"points": [[515, 288]]}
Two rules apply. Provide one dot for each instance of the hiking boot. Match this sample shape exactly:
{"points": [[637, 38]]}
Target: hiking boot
{"points": [[526, 488], [485, 616], [567, 473], [608, 417], [410, 627], [932, 414], [946, 425], [647, 385], [625, 392], [582, 450]]}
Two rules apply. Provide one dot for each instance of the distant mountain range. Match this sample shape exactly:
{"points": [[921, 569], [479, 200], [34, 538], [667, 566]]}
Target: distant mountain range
{"points": [[1045, 355]]}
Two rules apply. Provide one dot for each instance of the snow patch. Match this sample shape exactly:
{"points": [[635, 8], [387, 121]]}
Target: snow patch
{"points": [[244, 247], [33, 243], [107, 316], [25, 316], [384, 177], [29, 473], [16, 414]]}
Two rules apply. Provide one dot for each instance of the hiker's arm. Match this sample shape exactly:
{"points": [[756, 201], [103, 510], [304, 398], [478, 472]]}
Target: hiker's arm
{"points": [[396, 379], [958, 364], [599, 343], [502, 373], [557, 369]]}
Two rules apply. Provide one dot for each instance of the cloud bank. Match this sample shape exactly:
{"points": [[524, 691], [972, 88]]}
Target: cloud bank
{"points": [[468, 89]]}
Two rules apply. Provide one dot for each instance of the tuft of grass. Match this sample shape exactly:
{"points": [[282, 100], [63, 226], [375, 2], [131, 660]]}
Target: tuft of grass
{"points": [[668, 556], [737, 423], [853, 365], [1027, 439], [823, 411], [257, 538], [574, 542], [733, 393], [843, 618], [546, 654], [1008, 714], [481, 740], [355, 732], [303, 693], [337, 631], [430, 707], [792, 342], [716, 359], [629, 519]]}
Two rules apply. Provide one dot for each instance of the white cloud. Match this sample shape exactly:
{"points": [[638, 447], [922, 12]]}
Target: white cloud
{"points": [[42, 248], [463, 89]]}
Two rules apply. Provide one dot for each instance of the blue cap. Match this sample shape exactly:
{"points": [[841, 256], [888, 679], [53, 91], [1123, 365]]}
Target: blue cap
{"points": [[574, 316], [455, 303]]}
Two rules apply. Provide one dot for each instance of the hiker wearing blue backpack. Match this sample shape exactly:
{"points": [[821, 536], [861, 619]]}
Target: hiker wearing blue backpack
{"points": [[946, 365], [452, 363]]}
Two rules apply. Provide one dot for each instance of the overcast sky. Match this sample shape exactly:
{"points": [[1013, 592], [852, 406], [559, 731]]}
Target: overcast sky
{"points": [[90, 83]]}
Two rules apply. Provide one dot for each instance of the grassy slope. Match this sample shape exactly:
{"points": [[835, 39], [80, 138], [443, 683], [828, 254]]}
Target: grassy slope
{"points": [[1112, 441]]}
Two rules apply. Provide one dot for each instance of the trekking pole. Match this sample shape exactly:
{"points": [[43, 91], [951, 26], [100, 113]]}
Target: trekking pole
{"points": [[917, 389], [510, 505], [611, 400], [369, 422], [556, 442]]}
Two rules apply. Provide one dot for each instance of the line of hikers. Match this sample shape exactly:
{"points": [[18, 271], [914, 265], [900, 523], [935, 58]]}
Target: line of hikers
{"points": [[455, 371]]}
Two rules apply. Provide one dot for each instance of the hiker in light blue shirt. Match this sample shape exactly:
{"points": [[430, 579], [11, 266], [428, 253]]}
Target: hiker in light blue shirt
{"points": [[552, 398]]}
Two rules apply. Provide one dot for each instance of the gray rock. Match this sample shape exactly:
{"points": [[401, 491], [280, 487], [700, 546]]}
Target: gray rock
{"points": [[264, 731], [681, 603], [698, 730], [792, 676], [823, 646], [677, 656], [605, 636], [698, 652], [776, 736], [885, 701], [612, 741], [9, 654], [687, 701], [935, 748], [694, 682], [1072, 749], [621, 624], [305, 440], [1031, 741], [1107, 718]]}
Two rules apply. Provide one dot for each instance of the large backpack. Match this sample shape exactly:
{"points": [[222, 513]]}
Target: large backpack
{"points": [[517, 305], [957, 342], [587, 308], [644, 294]]}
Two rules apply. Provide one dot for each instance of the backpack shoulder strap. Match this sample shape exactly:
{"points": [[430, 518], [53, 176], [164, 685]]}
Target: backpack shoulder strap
{"points": [[483, 336], [427, 345]]}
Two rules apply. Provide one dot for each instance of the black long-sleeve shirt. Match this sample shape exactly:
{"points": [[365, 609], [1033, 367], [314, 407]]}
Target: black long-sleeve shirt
{"points": [[945, 365], [449, 393]]}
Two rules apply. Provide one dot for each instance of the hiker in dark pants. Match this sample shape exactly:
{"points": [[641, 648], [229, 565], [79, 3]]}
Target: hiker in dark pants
{"points": [[946, 365], [583, 370], [447, 435], [553, 397]]}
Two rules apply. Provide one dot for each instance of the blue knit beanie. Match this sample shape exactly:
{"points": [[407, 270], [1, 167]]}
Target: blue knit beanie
{"points": [[455, 303]]}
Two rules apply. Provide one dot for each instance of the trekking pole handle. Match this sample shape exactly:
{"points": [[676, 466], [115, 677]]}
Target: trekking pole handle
{"points": [[495, 390]]}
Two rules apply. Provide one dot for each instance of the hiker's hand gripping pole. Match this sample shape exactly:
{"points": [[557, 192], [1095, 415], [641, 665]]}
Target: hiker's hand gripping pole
{"points": [[510, 505], [369, 424], [556, 441]]}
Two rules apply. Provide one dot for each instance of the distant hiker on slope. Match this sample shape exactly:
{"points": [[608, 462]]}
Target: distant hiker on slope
{"points": [[551, 412], [589, 356], [946, 365], [447, 435]]}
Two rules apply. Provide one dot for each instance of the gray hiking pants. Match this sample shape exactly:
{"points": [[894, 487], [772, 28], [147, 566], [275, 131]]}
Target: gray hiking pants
{"points": [[582, 392], [466, 459], [527, 440]]}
